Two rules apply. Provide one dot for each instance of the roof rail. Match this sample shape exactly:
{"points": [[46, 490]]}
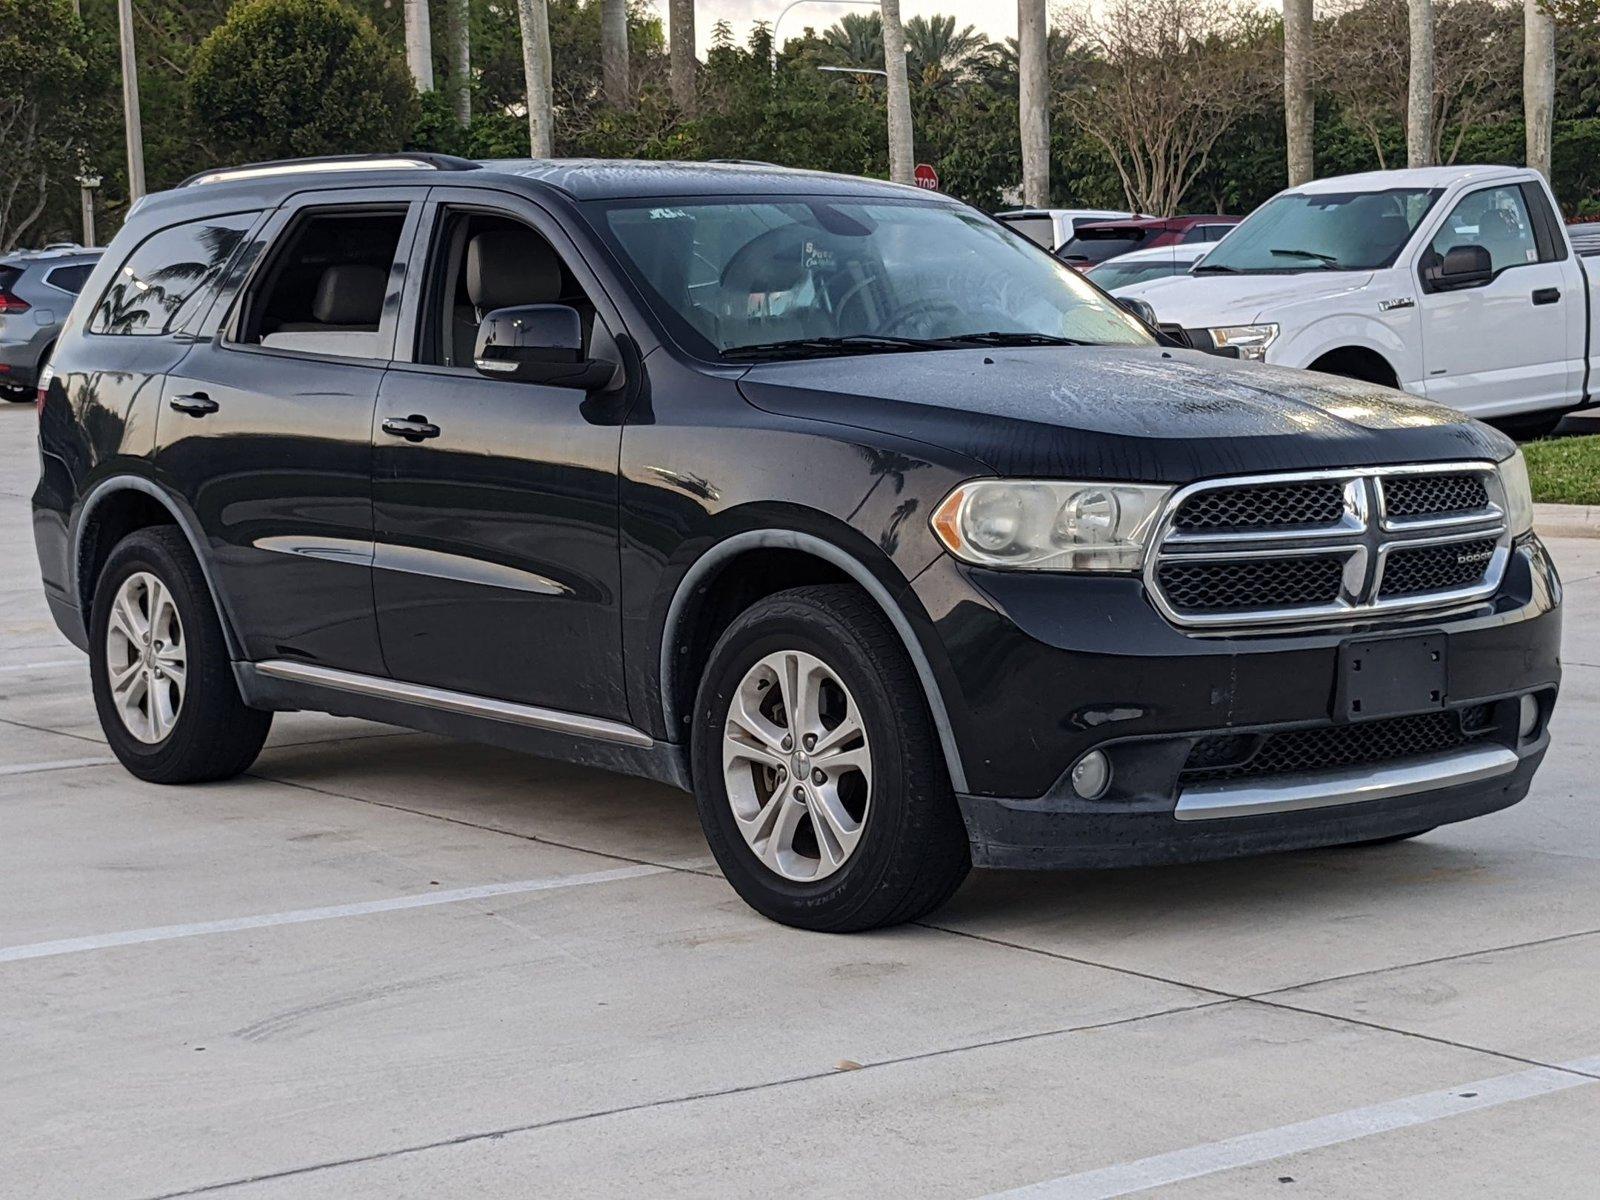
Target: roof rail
{"points": [[333, 162]]}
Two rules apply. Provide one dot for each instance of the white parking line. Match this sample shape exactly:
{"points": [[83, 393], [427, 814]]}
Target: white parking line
{"points": [[165, 933], [1125, 1179], [49, 664], [60, 764]]}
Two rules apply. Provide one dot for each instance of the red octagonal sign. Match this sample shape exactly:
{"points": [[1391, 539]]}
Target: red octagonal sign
{"points": [[927, 177]]}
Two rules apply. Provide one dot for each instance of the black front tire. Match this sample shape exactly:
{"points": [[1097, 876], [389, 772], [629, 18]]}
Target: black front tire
{"points": [[216, 736], [914, 851]]}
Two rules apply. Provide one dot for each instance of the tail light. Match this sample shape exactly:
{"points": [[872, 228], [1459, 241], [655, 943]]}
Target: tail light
{"points": [[12, 305], [45, 376]]}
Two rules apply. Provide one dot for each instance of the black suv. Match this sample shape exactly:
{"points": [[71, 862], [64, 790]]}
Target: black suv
{"points": [[837, 502]]}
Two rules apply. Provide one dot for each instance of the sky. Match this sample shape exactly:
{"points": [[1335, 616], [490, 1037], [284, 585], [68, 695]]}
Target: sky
{"points": [[997, 18]]}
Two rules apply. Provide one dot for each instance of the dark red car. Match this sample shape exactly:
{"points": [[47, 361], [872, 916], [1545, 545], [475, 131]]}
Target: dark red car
{"points": [[1101, 240]]}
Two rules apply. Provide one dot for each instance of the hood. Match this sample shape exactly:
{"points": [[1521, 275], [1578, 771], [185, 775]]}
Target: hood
{"points": [[1102, 412], [1203, 301]]}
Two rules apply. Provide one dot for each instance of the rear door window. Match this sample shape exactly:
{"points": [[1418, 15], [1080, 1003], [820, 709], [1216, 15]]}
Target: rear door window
{"points": [[323, 289], [161, 285]]}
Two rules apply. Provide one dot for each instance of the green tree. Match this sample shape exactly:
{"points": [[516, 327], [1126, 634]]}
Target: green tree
{"points": [[46, 109], [284, 78]]}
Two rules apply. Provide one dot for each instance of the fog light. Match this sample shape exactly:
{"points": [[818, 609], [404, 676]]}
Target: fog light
{"points": [[1528, 718], [1091, 775]]}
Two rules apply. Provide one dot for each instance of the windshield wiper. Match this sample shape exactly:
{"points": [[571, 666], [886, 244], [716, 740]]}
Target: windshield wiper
{"points": [[1004, 338], [1325, 259], [865, 343]]}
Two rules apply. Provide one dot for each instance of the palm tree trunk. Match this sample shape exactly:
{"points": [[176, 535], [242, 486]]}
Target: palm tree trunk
{"points": [[1538, 81], [901, 158], [1033, 101], [1419, 106], [419, 44], [534, 16], [614, 51], [680, 33], [460, 13], [1299, 113]]}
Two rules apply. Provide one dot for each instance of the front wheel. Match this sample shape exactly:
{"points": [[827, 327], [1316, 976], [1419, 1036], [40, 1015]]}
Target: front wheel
{"points": [[163, 681], [819, 780]]}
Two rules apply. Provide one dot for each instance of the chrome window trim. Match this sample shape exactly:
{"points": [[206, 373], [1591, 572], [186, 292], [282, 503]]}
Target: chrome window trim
{"points": [[1363, 532]]}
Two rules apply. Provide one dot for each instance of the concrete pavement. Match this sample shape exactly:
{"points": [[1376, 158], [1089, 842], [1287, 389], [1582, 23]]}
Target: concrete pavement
{"points": [[385, 964]]}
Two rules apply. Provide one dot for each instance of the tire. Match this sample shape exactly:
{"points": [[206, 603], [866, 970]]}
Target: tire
{"points": [[210, 734], [1388, 841], [910, 850]]}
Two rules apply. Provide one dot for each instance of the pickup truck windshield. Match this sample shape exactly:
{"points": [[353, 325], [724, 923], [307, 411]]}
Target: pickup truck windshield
{"points": [[783, 277], [1322, 231]]}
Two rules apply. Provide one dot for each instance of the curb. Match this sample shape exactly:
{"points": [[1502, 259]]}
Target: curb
{"points": [[1567, 520]]}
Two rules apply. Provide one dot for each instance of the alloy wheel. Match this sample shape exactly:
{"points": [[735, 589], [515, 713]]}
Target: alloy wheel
{"points": [[146, 657]]}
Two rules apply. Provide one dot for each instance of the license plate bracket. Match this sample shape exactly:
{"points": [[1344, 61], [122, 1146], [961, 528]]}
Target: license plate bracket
{"points": [[1387, 677]]}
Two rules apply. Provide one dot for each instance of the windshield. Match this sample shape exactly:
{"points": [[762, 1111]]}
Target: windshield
{"points": [[1323, 231], [739, 279]]}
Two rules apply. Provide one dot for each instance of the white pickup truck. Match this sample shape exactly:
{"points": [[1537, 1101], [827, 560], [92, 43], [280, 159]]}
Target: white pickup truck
{"points": [[1456, 283]]}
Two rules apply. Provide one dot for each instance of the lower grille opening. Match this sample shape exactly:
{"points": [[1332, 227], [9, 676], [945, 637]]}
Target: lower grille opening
{"points": [[1222, 757]]}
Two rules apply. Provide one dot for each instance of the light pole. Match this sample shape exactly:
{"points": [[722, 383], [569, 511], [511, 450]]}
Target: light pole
{"points": [[130, 101], [784, 12]]}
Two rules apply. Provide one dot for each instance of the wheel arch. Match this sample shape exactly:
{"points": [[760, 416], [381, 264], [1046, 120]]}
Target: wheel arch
{"points": [[1357, 362], [687, 606], [117, 506]]}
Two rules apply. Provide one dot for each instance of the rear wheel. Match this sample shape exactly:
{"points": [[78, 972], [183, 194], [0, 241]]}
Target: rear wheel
{"points": [[819, 780], [163, 681]]}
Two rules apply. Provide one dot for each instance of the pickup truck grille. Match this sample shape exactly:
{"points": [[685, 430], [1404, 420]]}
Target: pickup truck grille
{"points": [[1328, 548], [1240, 755]]}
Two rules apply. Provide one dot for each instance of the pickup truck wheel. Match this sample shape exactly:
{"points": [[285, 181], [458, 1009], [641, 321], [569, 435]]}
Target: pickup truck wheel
{"points": [[163, 681], [819, 780]]}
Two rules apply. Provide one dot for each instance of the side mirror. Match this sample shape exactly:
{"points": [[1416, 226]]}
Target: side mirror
{"points": [[538, 343], [1462, 267], [1138, 308]]}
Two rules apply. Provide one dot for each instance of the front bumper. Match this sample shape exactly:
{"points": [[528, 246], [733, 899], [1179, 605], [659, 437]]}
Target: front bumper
{"points": [[1036, 671]]}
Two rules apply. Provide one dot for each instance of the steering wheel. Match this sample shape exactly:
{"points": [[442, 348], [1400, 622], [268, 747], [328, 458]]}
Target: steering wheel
{"points": [[924, 310]]}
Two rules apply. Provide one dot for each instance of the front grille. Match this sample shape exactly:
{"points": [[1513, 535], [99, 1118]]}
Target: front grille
{"points": [[1263, 506], [1328, 548], [1297, 751], [1410, 571], [1434, 495], [1252, 583]]}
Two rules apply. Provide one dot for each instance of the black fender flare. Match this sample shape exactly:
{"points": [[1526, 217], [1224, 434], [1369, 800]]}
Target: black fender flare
{"points": [[806, 543]]}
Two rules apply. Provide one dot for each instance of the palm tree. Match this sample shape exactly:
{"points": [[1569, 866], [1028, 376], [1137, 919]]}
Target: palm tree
{"points": [[856, 40], [680, 32], [1538, 81], [614, 51], [1419, 96], [1033, 97], [534, 17], [459, 15], [419, 44], [1299, 113], [901, 157], [937, 52]]}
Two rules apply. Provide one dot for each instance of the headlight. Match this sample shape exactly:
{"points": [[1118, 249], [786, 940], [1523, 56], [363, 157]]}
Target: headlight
{"points": [[1519, 495], [1252, 340], [1044, 525]]}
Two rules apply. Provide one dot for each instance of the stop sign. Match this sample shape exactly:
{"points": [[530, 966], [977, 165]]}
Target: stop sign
{"points": [[927, 177]]}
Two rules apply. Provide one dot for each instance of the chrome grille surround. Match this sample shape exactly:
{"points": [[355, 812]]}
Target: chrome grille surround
{"points": [[1362, 538]]}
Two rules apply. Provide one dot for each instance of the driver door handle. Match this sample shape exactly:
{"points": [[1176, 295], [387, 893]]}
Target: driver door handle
{"points": [[196, 404], [1546, 295], [415, 428]]}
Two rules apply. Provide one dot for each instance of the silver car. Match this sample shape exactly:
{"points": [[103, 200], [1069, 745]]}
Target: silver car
{"points": [[37, 288]]}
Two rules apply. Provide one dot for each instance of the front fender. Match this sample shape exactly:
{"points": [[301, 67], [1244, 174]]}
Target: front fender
{"points": [[1304, 345]]}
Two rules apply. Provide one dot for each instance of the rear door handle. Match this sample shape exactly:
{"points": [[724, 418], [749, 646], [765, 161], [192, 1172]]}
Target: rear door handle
{"points": [[414, 428], [198, 404], [1546, 295]]}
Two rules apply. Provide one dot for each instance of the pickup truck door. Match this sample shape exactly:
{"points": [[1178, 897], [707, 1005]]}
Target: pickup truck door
{"points": [[1513, 343]]}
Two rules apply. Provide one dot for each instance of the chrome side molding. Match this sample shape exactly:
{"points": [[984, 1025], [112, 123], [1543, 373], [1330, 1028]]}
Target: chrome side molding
{"points": [[553, 720], [1351, 785]]}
